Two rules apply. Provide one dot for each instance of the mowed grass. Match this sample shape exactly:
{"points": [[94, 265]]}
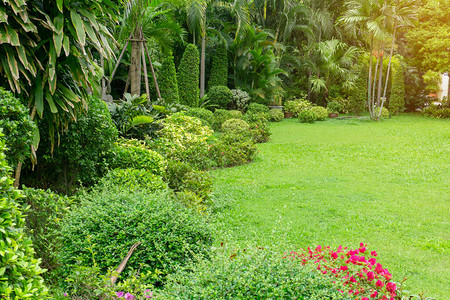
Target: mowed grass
{"points": [[342, 182]]}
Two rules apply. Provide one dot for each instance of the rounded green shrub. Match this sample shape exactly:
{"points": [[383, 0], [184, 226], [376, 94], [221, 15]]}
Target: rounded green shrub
{"points": [[108, 222], [132, 179], [333, 107], [220, 116], [236, 114], [384, 112], [307, 116], [167, 80], [43, 222], [240, 99], [219, 96], [21, 273], [276, 115], [321, 112], [296, 106], [236, 127], [205, 115], [258, 108], [219, 67], [188, 77], [249, 274], [232, 150], [17, 128], [135, 154], [259, 126]]}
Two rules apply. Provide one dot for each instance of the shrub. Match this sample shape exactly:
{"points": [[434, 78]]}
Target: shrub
{"points": [[437, 112], [220, 116], [167, 79], [183, 138], [397, 99], [307, 116], [249, 274], [358, 96], [21, 273], [188, 77], [321, 112], [109, 222], [43, 222], [132, 179], [205, 115], [135, 154], [296, 106], [219, 67], [236, 127], [276, 115], [333, 107], [240, 99], [17, 127], [183, 177], [236, 114], [258, 108], [384, 112], [232, 150], [83, 148], [219, 96], [259, 126], [344, 104]]}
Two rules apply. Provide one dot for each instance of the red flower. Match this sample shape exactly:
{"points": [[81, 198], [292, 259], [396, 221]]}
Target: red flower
{"points": [[391, 287], [379, 283], [374, 294], [343, 268], [370, 276], [373, 253]]}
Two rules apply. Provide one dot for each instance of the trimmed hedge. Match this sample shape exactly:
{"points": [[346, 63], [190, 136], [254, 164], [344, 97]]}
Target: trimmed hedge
{"points": [[206, 116], [188, 77], [167, 80], [397, 100], [219, 67], [220, 96]]}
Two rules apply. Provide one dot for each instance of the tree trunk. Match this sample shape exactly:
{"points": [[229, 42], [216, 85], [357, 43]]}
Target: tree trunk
{"points": [[202, 64], [369, 83], [144, 63], [380, 77], [135, 65], [118, 63], [17, 174], [372, 102]]}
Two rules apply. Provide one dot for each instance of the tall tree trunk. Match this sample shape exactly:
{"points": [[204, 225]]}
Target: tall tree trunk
{"points": [[380, 77], [202, 64], [372, 103], [369, 83], [135, 65]]}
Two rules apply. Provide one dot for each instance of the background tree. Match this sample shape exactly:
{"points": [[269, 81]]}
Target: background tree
{"points": [[397, 99], [188, 76]]}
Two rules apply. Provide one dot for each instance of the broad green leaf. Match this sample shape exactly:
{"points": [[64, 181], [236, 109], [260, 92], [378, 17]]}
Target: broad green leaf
{"points": [[27, 25], [141, 120], [52, 80], [58, 42], [78, 24], [59, 23], [3, 36], [60, 103], [3, 15], [90, 17], [13, 84], [159, 108], [12, 62], [13, 37], [39, 96], [23, 57], [59, 4], [91, 33], [49, 99], [66, 45]]}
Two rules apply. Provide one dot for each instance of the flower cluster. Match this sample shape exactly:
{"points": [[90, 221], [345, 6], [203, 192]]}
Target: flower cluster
{"points": [[127, 296], [356, 271]]}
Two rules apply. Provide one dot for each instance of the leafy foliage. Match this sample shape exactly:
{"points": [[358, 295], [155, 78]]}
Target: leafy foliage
{"points": [[320, 112], [205, 115], [188, 77], [17, 127], [109, 222], [307, 116], [259, 126], [132, 179], [397, 99], [219, 67], [296, 106], [333, 107], [276, 115], [240, 99], [258, 108], [21, 272], [236, 127], [249, 274], [220, 96], [167, 79], [220, 116], [358, 96]]}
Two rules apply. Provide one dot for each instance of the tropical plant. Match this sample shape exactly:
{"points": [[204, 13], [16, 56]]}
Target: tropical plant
{"points": [[187, 77], [240, 99]]}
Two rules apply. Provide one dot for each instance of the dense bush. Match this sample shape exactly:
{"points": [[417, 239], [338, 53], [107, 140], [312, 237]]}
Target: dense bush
{"points": [[219, 96], [249, 274], [17, 128], [344, 104], [240, 99], [205, 115], [307, 116], [188, 77], [132, 179], [258, 108], [135, 154], [397, 99], [220, 116], [108, 222], [296, 106], [43, 222], [236, 127], [236, 114], [183, 138], [384, 112], [437, 112], [358, 96], [20, 271], [232, 150], [320, 112], [167, 79], [83, 148], [259, 126], [333, 107], [276, 115], [219, 67]]}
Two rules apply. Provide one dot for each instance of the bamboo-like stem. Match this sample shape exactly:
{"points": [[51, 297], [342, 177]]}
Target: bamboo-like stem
{"points": [[153, 72], [147, 88]]}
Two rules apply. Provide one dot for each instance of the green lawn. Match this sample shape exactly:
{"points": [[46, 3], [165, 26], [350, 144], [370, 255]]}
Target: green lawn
{"points": [[345, 182]]}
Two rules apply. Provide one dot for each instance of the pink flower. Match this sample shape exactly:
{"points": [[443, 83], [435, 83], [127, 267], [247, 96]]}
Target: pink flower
{"points": [[391, 287], [364, 298], [373, 253], [374, 294], [65, 294], [379, 283], [343, 268], [119, 294], [319, 248], [334, 255], [128, 296], [362, 249], [148, 294], [370, 276]]}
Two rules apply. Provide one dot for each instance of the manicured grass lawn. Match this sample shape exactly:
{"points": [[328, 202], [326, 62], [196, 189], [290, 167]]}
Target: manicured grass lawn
{"points": [[342, 182]]}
